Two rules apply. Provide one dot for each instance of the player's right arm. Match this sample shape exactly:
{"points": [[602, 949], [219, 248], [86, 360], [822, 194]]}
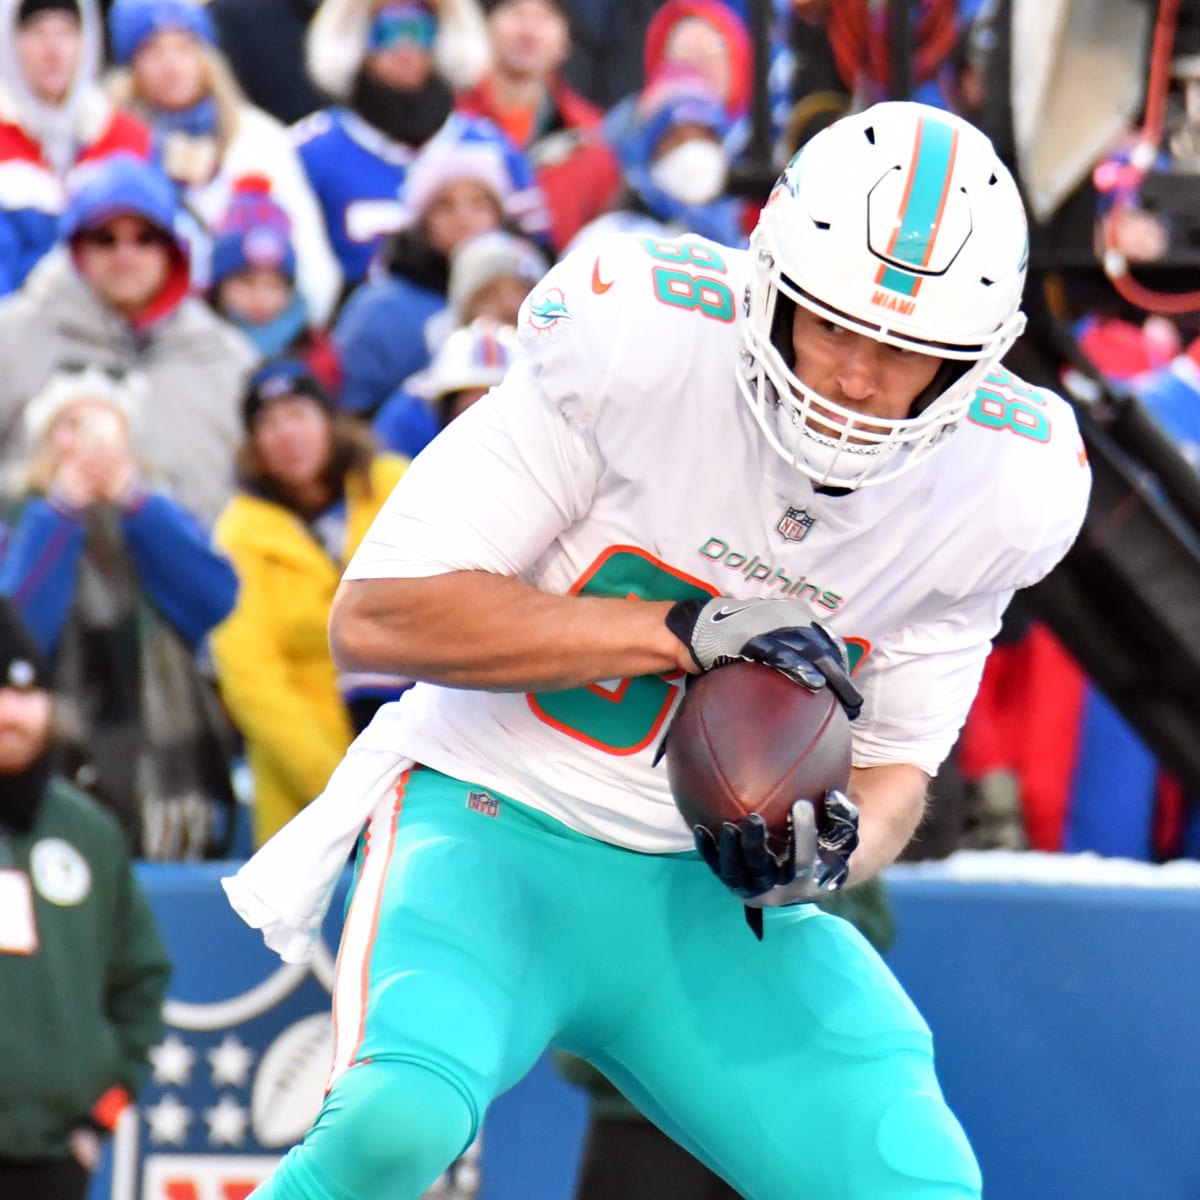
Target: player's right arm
{"points": [[477, 629], [443, 587]]}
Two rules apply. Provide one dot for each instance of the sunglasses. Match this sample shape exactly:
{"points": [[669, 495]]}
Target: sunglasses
{"points": [[105, 239]]}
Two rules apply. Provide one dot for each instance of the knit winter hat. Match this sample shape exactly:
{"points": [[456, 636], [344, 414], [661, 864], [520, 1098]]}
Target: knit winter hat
{"points": [[115, 186], [75, 383], [254, 232], [131, 22], [29, 9], [277, 379], [443, 162], [490, 256], [21, 662]]}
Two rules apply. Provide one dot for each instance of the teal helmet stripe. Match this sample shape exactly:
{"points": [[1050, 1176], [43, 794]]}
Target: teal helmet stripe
{"points": [[897, 281], [925, 197], [922, 205]]}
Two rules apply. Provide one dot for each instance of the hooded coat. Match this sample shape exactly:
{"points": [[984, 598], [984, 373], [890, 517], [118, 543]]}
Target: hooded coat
{"points": [[40, 144]]}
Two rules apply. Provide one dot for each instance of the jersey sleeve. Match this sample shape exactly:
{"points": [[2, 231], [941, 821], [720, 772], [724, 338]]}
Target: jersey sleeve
{"points": [[1036, 508], [919, 683], [574, 327], [599, 357], [489, 493], [495, 488]]}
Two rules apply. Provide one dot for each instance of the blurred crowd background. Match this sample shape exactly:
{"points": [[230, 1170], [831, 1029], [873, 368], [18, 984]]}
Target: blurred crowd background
{"points": [[255, 254]]}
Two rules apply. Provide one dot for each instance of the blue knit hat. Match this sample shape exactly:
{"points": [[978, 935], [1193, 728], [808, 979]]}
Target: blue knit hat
{"points": [[255, 232], [131, 22], [674, 96], [116, 186]]}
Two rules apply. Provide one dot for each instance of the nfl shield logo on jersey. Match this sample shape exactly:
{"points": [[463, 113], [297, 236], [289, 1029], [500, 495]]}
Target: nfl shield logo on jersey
{"points": [[795, 524]]}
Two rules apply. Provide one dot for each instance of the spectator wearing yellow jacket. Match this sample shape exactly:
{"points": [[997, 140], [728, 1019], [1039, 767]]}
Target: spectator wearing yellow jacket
{"points": [[310, 483]]}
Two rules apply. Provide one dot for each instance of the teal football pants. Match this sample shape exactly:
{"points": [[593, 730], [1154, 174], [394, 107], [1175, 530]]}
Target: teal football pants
{"points": [[480, 931]]}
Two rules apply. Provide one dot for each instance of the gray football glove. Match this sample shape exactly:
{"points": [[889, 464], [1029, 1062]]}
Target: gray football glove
{"points": [[779, 632], [813, 863]]}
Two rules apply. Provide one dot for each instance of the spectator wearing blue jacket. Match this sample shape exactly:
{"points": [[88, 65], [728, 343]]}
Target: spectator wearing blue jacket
{"points": [[455, 191], [120, 588], [392, 69], [490, 276]]}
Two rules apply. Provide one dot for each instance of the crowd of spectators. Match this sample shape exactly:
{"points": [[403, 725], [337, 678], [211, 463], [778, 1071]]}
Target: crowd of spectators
{"points": [[255, 253]]}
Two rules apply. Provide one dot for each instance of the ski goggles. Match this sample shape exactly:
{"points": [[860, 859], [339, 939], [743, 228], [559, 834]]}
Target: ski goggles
{"points": [[395, 24]]}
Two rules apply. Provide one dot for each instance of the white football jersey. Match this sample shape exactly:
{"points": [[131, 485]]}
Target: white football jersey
{"points": [[618, 458]]}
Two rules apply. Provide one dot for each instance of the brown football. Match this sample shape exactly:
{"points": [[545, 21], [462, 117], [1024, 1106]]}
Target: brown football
{"points": [[746, 739]]}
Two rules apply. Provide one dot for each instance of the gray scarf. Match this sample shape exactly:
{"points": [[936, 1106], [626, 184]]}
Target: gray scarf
{"points": [[137, 720]]}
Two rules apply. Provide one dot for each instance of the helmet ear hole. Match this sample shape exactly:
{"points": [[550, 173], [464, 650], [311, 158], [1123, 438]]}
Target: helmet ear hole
{"points": [[783, 319]]}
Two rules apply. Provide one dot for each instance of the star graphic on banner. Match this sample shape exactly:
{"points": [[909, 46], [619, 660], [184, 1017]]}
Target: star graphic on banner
{"points": [[226, 1122], [169, 1121], [230, 1062], [172, 1060]]}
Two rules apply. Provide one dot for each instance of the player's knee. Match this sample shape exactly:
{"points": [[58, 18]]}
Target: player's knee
{"points": [[390, 1129], [923, 1152]]}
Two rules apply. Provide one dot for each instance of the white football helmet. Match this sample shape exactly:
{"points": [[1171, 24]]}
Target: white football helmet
{"points": [[900, 223]]}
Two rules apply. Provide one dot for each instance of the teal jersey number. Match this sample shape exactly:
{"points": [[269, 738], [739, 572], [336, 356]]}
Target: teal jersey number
{"points": [[627, 718], [681, 289], [1002, 402]]}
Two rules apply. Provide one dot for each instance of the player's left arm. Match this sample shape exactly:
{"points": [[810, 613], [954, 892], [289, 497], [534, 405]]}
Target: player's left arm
{"points": [[891, 801]]}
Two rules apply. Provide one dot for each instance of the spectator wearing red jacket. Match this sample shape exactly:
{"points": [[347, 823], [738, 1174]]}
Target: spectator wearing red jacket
{"points": [[525, 94], [53, 117]]}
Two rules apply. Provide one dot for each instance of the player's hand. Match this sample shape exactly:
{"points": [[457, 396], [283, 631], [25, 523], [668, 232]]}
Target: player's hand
{"points": [[780, 633], [814, 862]]}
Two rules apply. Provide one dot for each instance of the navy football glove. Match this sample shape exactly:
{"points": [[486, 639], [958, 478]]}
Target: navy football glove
{"points": [[813, 862], [780, 633]]}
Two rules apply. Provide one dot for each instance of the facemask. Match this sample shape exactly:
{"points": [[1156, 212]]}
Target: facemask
{"points": [[692, 173]]}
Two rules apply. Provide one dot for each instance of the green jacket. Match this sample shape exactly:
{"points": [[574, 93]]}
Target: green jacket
{"points": [[78, 1014]]}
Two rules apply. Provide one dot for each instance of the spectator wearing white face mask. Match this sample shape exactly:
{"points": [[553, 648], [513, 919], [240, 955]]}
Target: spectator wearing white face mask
{"points": [[674, 164]]}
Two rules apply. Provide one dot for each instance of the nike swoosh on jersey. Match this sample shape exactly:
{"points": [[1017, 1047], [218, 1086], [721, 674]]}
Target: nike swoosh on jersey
{"points": [[598, 284]]}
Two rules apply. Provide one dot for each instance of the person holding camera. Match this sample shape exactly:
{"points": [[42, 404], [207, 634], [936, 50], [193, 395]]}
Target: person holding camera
{"points": [[119, 587]]}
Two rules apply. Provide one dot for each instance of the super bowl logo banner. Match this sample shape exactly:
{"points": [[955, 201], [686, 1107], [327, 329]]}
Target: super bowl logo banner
{"points": [[240, 1068]]}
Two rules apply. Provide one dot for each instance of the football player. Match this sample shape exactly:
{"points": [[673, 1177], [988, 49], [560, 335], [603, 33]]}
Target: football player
{"points": [[807, 453]]}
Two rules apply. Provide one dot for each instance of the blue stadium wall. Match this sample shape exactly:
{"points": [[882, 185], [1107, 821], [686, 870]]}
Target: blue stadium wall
{"points": [[1066, 1016]]}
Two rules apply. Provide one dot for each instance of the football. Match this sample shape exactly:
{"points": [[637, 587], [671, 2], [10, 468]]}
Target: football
{"points": [[747, 739]]}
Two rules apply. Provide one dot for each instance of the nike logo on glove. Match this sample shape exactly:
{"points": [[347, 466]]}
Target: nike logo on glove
{"points": [[725, 613], [598, 284]]}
